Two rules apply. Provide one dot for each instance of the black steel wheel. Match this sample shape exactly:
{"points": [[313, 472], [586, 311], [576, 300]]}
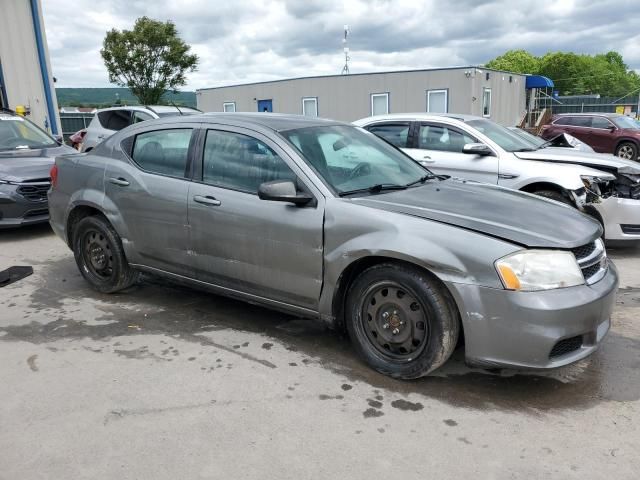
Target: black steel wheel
{"points": [[394, 320], [97, 256], [401, 320], [100, 257]]}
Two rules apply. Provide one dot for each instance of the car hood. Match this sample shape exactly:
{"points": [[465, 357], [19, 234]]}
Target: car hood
{"points": [[23, 165], [588, 159], [507, 214]]}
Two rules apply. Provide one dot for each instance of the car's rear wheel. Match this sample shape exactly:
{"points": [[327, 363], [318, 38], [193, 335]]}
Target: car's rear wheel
{"points": [[100, 257], [401, 320], [627, 150]]}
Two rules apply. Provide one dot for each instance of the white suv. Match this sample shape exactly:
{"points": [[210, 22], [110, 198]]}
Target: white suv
{"points": [[475, 148], [108, 121]]}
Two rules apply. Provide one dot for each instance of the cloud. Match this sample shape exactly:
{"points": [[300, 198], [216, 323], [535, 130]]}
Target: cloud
{"points": [[246, 41]]}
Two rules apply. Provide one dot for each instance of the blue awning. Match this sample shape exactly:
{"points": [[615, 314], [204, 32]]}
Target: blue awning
{"points": [[538, 81]]}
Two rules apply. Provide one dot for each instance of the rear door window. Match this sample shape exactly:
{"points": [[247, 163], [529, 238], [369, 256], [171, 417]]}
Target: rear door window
{"points": [[163, 151], [600, 122], [394, 133], [442, 138]]}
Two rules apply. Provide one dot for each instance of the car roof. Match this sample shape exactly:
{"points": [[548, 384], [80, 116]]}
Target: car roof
{"points": [[417, 116], [590, 114], [274, 121], [153, 108]]}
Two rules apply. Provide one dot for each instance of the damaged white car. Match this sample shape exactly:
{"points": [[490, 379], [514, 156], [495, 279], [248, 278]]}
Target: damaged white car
{"points": [[476, 148]]}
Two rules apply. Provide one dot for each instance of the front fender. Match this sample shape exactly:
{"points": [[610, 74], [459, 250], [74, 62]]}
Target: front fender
{"points": [[450, 253]]}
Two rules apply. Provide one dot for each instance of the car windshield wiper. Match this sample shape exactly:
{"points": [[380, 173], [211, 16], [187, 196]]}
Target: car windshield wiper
{"points": [[380, 187], [526, 149], [424, 178]]}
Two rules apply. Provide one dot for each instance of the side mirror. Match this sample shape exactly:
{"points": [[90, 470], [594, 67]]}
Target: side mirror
{"points": [[59, 138], [477, 149], [282, 191], [612, 128]]}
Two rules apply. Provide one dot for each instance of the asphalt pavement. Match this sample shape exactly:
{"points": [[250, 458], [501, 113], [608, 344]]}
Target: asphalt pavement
{"points": [[163, 381]]}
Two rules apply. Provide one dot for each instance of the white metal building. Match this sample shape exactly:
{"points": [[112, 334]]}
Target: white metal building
{"points": [[25, 70], [472, 90]]}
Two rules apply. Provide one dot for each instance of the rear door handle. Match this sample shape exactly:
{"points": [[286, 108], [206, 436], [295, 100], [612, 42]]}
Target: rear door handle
{"points": [[208, 200], [119, 181]]}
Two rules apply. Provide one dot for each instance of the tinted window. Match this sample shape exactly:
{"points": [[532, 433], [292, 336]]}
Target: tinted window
{"points": [[163, 151], [439, 137], [394, 133], [600, 122], [563, 121], [115, 119], [574, 121], [240, 162]]}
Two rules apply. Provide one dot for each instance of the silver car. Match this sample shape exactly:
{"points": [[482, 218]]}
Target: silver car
{"points": [[323, 219], [108, 121], [476, 148]]}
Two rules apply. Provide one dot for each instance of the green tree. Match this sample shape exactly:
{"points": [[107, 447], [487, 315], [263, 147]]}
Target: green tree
{"points": [[150, 59], [517, 61], [574, 74]]}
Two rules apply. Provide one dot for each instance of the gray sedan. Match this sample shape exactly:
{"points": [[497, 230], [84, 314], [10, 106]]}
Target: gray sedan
{"points": [[26, 156], [325, 220]]}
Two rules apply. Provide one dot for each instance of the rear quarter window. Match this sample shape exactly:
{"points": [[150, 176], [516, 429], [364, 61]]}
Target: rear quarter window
{"points": [[163, 151]]}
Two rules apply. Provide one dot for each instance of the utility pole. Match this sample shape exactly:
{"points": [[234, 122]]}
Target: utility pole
{"points": [[345, 69]]}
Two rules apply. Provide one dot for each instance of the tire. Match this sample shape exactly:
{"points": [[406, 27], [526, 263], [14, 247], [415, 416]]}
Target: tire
{"points": [[554, 195], [401, 321], [100, 257], [628, 151]]}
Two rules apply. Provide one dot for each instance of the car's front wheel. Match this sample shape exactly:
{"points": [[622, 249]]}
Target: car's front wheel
{"points": [[100, 257], [401, 320], [627, 150]]}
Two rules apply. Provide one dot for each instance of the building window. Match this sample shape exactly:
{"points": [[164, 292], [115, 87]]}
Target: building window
{"points": [[486, 102], [438, 101], [379, 103], [229, 107], [310, 106]]}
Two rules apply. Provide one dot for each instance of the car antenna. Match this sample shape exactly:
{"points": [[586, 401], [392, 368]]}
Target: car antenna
{"points": [[177, 108]]}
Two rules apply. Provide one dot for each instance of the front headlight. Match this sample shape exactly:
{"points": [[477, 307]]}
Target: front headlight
{"points": [[532, 270]]}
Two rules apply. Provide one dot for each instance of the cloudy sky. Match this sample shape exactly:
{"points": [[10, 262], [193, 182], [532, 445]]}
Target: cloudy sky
{"points": [[242, 41]]}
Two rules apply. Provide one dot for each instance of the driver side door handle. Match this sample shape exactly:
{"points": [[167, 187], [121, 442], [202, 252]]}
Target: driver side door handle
{"points": [[208, 200], [119, 181]]}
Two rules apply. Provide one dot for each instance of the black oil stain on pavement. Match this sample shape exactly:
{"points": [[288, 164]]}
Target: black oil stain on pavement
{"points": [[405, 405], [372, 413], [450, 422]]}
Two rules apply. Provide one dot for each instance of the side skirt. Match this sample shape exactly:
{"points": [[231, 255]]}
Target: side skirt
{"points": [[232, 293]]}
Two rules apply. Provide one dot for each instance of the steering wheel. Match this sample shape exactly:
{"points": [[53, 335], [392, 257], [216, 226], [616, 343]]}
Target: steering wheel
{"points": [[360, 170]]}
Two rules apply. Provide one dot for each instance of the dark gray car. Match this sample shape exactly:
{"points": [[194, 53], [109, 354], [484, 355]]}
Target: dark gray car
{"points": [[325, 220], [26, 156]]}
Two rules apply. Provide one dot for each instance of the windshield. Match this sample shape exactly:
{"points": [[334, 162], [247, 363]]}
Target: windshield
{"points": [[349, 158], [16, 133], [626, 122], [508, 140], [528, 137]]}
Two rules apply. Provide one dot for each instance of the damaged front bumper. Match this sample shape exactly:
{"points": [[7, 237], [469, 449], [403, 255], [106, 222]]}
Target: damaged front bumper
{"points": [[621, 218]]}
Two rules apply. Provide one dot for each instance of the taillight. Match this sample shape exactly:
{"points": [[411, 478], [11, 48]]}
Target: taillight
{"points": [[53, 173]]}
